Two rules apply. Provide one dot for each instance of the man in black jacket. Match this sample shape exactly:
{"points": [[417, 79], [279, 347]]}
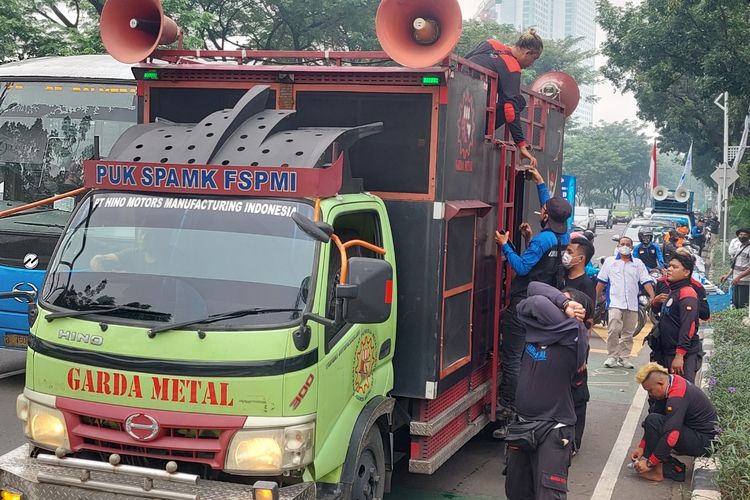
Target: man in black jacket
{"points": [[556, 346], [687, 425], [677, 345]]}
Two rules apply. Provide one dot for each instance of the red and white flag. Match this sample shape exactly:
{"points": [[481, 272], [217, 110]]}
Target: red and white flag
{"points": [[652, 169]]}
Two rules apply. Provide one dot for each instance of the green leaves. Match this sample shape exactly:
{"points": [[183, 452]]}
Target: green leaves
{"points": [[676, 57]]}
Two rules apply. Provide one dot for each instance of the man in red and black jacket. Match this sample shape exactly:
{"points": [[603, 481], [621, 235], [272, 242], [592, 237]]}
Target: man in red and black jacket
{"points": [[688, 424], [507, 62], [676, 343]]}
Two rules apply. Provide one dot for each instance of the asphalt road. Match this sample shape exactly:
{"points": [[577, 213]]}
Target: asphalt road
{"points": [[598, 472]]}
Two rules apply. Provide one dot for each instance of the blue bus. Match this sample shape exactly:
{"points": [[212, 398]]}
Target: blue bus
{"points": [[51, 108]]}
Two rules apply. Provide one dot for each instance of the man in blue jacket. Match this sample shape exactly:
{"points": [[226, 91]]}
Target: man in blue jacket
{"points": [[698, 235], [542, 261]]}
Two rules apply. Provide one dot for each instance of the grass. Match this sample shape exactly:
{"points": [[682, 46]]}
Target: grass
{"points": [[729, 383]]}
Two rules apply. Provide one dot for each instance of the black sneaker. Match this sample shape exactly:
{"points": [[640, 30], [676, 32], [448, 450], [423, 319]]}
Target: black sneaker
{"points": [[674, 469]]}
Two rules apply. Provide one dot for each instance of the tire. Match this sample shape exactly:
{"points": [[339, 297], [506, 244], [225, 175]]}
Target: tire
{"points": [[641, 321], [369, 471]]}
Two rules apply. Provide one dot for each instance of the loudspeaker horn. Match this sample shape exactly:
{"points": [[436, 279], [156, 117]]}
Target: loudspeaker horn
{"points": [[560, 86], [659, 193], [681, 194], [132, 29], [418, 33]]}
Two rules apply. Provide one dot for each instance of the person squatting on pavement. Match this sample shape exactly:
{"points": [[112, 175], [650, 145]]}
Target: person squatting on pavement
{"points": [[675, 342], [622, 276], [557, 325], [508, 62], [649, 253], [577, 256], [739, 251], [542, 261], [688, 424]]}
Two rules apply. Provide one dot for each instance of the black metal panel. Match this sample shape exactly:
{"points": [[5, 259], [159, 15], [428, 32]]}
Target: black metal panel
{"points": [[191, 105], [456, 328], [398, 159], [459, 264], [466, 174], [418, 241]]}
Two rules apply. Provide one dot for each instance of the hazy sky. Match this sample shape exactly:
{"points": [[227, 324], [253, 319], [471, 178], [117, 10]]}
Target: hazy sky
{"points": [[613, 105]]}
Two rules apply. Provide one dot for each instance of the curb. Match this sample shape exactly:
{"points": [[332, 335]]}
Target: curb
{"points": [[704, 468]]}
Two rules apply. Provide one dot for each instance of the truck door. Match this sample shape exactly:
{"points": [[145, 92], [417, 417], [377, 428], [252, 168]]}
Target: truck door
{"points": [[356, 359]]}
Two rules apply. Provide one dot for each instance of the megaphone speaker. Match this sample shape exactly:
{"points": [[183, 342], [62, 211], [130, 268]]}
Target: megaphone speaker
{"points": [[418, 33], [560, 86], [659, 193], [132, 29], [681, 194]]}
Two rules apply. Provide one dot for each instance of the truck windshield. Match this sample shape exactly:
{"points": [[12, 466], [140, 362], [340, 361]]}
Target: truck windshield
{"points": [[47, 128], [179, 258]]}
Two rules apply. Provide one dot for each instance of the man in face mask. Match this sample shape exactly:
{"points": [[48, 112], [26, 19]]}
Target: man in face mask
{"points": [[622, 276], [739, 251]]}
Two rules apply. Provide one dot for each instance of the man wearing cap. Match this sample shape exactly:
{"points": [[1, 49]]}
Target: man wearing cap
{"points": [[739, 251], [542, 261]]}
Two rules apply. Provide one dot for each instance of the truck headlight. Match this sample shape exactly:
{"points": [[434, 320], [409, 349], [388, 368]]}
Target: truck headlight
{"points": [[43, 425], [271, 451]]}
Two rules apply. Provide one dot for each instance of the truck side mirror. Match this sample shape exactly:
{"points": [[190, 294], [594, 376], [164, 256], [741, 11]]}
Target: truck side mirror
{"points": [[29, 296], [316, 230], [368, 293]]}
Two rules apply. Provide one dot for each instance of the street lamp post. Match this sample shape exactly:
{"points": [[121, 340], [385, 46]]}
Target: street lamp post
{"points": [[723, 190]]}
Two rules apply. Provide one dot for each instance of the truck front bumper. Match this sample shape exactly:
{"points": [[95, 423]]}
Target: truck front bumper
{"points": [[36, 479]]}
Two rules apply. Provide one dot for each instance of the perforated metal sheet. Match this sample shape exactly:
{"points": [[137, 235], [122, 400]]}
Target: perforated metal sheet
{"points": [[246, 135], [19, 472]]}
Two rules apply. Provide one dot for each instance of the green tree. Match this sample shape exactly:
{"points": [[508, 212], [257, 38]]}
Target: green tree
{"points": [[676, 57], [610, 162]]}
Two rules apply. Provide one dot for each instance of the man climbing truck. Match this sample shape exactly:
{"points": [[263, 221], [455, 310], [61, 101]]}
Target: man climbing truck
{"points": [[273, 291]]}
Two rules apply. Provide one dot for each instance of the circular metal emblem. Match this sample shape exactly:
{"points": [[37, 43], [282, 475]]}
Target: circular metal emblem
{"points": [[24, 287], [141, 427], [30, 261]]}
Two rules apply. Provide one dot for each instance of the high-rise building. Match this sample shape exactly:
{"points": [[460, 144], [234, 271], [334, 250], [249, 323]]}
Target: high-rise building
{"points": [[553, 19]]}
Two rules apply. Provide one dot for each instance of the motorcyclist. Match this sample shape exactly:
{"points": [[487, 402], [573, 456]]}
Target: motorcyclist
{"points": [[649, 253]]}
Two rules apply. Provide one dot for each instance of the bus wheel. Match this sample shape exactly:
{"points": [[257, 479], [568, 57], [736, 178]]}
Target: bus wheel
{"points": [[369, 473]]}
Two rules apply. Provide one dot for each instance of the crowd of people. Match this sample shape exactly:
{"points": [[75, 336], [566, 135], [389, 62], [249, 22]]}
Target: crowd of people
{"points": [[545, 335], [546, 327]]}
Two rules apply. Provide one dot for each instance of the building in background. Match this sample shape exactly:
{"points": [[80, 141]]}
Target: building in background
{"points": [[553, 20]]}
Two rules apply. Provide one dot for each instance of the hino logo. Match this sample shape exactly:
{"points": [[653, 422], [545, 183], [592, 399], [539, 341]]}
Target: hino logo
{"points": [[141, 427], [83, 338]]}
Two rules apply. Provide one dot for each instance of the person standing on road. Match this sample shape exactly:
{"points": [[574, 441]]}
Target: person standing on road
{"points": [[508, 62], [622, 276], [646, 251], [739, 251], [698, 235], [557, 342], [577, 256], [687, 425], [542, 261], [676, 343]]}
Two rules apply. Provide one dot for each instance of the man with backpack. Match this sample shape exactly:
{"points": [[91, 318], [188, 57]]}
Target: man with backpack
{"points": [[542, 261]]}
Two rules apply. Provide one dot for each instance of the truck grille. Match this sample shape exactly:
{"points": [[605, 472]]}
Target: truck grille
{"points": [[181, 436]]}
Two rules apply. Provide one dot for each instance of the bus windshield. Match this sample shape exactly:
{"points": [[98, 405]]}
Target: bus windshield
{"points": [[47, 129], [174, 259]]}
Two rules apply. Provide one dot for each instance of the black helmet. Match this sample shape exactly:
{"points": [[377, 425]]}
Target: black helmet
{"points": [[589, 234], [645, 232]]}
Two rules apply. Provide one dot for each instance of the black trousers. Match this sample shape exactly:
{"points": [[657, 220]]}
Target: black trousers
{"points": [[512, 344], [692, 363], [740, 296], [690, 443], [580, 401], [543, 473]]}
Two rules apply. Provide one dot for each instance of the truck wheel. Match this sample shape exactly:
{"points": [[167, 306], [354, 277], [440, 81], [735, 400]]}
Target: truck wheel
{"points": [[369, 473]]}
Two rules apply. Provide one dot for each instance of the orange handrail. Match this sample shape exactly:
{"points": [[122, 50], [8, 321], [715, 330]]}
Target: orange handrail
{"points": [[316, 217], [345, 259], [45, 201]]}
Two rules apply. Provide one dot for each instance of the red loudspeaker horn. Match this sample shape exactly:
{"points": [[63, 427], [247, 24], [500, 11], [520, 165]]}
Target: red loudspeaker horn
{"points": [[418, 33], [132, 29], [560, 86]]}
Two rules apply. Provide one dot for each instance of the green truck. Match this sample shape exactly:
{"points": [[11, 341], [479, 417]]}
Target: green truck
{"points": [[281, 281]]}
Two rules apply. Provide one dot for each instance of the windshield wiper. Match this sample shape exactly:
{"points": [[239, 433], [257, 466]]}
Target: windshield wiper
{"points": [[218, 317], [42, 224], [102, 309]]}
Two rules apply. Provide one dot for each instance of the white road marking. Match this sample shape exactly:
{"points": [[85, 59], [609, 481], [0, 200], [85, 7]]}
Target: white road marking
{"points": [[611, 472]]}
